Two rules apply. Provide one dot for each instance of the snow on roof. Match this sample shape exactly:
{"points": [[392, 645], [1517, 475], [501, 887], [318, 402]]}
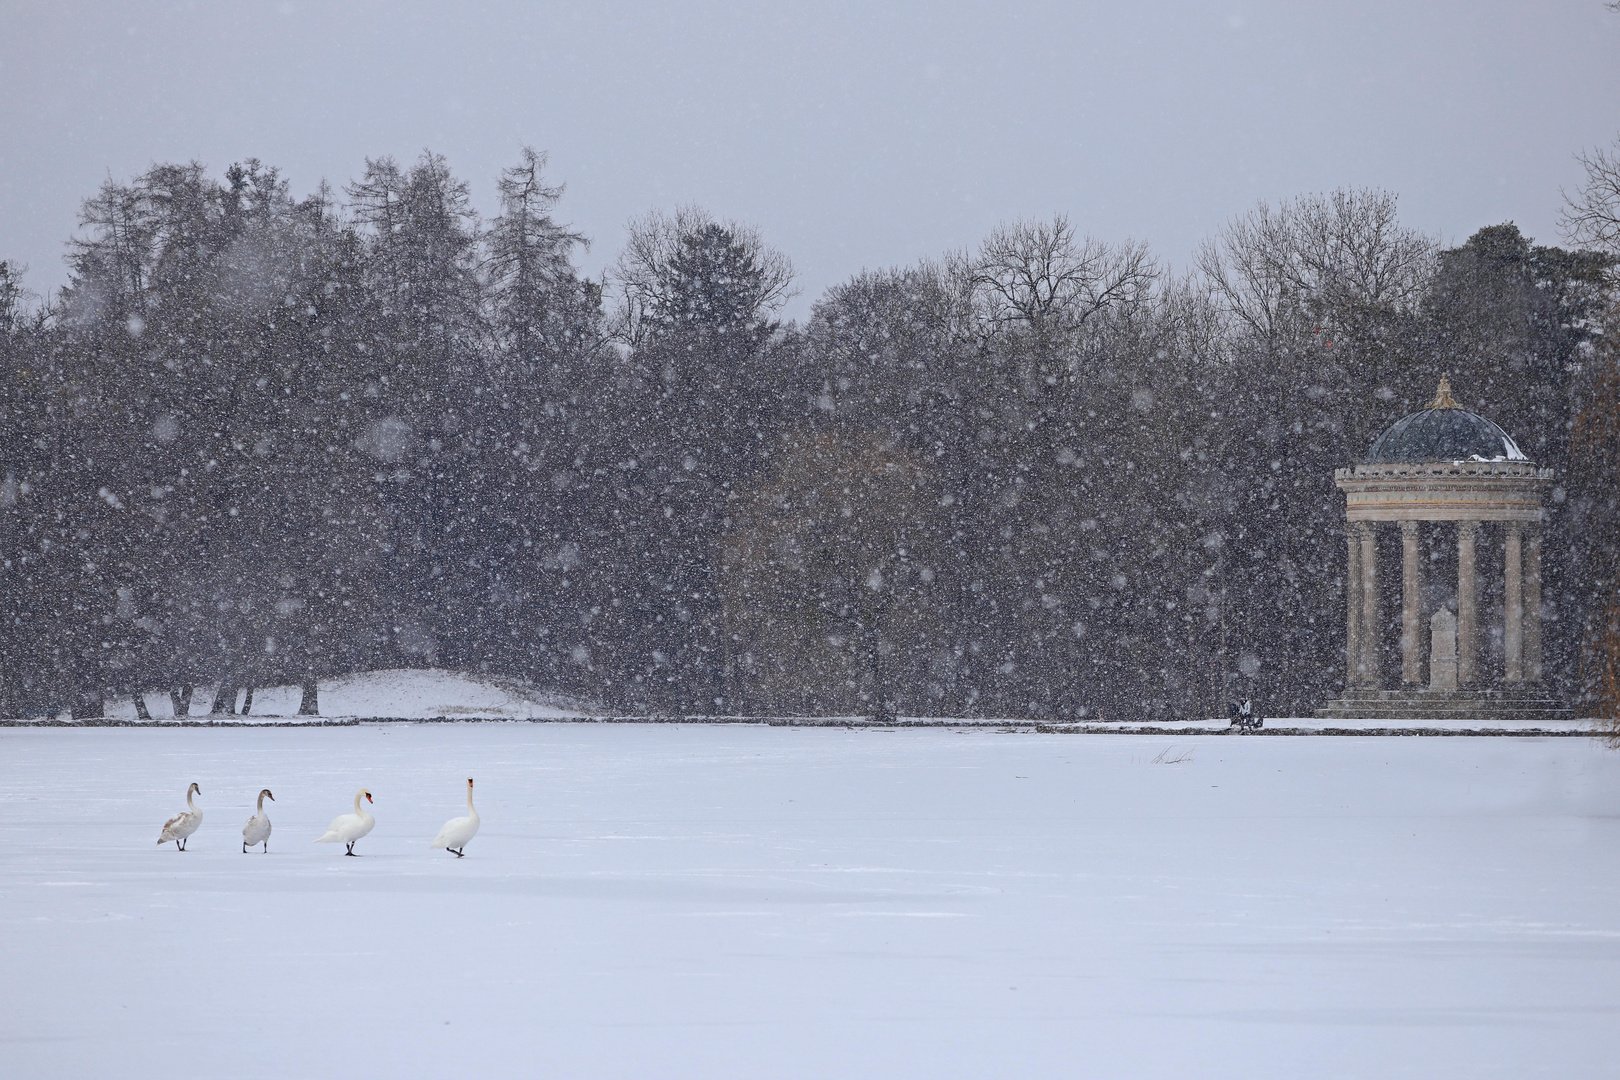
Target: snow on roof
{"points": [[1443, 434]]}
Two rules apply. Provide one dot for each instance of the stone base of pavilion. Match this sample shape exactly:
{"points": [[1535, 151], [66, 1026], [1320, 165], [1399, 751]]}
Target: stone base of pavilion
{"points": [[1525, 705]]}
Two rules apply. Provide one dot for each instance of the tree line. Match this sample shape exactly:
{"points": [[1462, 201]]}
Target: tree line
{"points": [[259, 439]]}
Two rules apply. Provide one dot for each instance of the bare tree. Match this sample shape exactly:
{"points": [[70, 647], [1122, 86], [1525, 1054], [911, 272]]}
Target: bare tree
{"points": [[1592, 215], [1246, 265], [533, 283], [688, 268], [13, 297], [1041, 276], [1354, 252], [1318, 259]]}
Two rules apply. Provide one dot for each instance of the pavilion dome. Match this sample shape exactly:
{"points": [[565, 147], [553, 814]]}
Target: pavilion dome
{"points": [[1443, 432]]}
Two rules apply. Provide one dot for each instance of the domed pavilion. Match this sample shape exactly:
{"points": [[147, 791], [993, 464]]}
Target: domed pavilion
{"points": [[1445, 479]]}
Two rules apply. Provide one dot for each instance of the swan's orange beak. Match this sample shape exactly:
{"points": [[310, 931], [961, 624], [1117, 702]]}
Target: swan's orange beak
{"points": [[368, 797]]}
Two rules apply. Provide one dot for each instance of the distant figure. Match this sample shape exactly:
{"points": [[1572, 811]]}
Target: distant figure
{"points": [[1244, 716]]}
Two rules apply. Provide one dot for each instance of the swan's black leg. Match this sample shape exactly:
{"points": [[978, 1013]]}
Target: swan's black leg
{"points": [[457, 852], [244, 847]]}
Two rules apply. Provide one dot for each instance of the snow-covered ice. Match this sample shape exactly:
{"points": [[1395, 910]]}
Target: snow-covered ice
{"points": [[709, 901]]}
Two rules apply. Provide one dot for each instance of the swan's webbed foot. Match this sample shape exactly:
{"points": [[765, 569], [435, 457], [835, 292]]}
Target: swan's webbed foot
{"points": [[458, 853]]}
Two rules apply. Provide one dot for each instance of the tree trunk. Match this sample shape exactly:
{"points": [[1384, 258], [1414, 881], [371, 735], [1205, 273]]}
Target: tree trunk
{"points": [[88, 704], [247, 700], [10, 696], [181, 700], [309, 705], [224, 700], [883, 710], [141, 712]]}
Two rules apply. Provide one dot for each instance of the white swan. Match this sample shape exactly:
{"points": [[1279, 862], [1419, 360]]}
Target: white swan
{"points": [[457, 831], [182, 824], [347, 828], [257, 829]]}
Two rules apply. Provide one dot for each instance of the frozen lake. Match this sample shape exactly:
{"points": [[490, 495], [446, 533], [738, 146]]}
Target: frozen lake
{"points": [[702, 901]]}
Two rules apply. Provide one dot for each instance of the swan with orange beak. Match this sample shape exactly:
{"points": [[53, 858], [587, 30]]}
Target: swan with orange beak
{"points": [[347, 828]]}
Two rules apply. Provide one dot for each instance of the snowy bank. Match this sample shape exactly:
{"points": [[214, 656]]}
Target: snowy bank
{"points": [[434, 694], [1311, 725], [397, 693]]}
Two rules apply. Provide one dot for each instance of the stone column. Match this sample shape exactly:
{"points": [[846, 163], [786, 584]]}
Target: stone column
{"points": [[1467, 601], [1532, 606], [1443, 651], [1372, 677], [1352, 608], [1411, 603], [1512, 604]]}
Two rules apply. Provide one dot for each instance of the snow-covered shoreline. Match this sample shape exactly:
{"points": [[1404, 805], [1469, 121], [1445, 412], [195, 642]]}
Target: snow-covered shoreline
{"points": [[436, 696], [1281, 727]]}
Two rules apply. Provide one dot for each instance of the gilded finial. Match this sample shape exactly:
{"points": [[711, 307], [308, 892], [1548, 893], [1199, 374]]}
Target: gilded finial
{"points": [[1442, 396]]}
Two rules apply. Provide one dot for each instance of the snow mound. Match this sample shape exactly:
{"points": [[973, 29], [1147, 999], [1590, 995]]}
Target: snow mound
{"points": [[424, 693], [403, 693]]}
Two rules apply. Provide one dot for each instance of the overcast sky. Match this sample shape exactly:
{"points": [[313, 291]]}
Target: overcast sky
{"points": [[853, 137]]}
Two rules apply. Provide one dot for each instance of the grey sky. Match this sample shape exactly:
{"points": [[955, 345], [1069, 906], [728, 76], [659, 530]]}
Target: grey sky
{"points": [[853, 136]]}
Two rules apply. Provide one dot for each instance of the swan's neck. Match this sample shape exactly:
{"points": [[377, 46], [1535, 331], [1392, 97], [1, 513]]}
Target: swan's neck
{"points": [[261, 802], [189, 804], [357, 810], [471, 812]]}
